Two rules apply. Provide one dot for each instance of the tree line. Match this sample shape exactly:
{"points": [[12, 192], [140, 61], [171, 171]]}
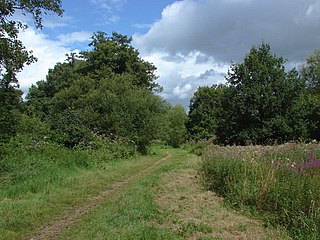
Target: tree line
{"points": [[107, 93], [261, 102]]}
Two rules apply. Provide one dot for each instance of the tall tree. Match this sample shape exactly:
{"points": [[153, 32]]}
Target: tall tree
{"points": [[108, 90], [205, 109], [115, 55], [13, 55], [310, 73], [260, 104]]}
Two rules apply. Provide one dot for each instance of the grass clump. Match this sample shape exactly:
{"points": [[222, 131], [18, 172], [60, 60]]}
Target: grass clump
{"points": [[281, 182]]}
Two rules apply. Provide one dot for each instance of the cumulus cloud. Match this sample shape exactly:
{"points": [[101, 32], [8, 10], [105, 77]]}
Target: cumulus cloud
{"points": [[226, 29], [73, 37], [195, 41], [48, 53], [181, 75]]}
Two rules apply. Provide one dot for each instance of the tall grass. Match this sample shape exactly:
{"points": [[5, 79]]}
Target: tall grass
{"points": [[39, 179], [281, 182]]}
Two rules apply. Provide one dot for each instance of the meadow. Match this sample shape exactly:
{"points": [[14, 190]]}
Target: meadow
{"points": [[279, 183]]}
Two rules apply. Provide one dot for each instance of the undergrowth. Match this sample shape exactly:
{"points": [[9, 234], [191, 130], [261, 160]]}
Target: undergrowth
{"points": [[282, 183]]}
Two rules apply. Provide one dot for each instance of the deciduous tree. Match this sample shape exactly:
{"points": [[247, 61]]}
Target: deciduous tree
{"points": [[260, 104]]}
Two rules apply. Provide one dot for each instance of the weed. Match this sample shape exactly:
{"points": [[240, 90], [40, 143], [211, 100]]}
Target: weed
{"points": [[281, 182]]}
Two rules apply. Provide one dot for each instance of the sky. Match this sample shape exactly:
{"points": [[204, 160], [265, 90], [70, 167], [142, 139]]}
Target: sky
{"points": [[191, 42]]}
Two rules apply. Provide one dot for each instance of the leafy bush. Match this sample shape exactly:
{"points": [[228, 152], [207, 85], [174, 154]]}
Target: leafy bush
{"points": [[281, 182], [70, 130]]}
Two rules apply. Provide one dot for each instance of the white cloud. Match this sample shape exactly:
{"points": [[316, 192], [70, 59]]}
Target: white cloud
{"points": [[109, 9], [226, 29], [48, 53], [180, 75], [73, 37], [109, 5], [183, 91], [195, 41]]}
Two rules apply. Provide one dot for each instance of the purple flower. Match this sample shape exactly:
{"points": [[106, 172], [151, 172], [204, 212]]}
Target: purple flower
{"points": [[311, 163]]}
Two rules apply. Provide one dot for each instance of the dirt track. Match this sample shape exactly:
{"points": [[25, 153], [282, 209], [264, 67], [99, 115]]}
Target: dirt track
{"points": [[70, 217]]}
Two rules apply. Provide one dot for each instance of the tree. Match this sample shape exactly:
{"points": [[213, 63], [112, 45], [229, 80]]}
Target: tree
{"points": [[205, 109], [310, 73], [108, 90], [260, 103], [13, 55], [115, 55], [176, 126]]}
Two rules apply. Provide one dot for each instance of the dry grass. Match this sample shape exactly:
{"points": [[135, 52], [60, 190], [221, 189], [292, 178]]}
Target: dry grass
{"points": [[200, 214]]}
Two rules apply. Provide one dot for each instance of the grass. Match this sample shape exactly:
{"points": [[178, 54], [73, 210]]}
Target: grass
{"points": [[269, 180], [166, 203], [132, 213], [43, 183], [38, 183]]}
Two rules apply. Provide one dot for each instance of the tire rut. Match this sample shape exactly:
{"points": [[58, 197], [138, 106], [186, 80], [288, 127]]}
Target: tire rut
{"points": [[55, 228]]}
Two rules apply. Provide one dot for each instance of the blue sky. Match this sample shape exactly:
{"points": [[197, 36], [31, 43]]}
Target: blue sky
{"points": [[191, 42]]}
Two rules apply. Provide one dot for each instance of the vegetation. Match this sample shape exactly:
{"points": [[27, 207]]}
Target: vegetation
{"points": [[280, 182], [62, 144], [13, 56], [41, 181], [205, 110], [260, 104]]}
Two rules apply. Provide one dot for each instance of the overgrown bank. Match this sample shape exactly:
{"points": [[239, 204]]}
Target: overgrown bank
{"points": [[281, 183]]}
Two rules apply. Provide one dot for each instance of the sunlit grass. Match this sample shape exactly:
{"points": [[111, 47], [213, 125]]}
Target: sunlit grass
{"points": [[38, 185], [266, 179]]}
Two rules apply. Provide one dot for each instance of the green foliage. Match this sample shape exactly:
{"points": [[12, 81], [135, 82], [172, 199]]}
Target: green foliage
{"points": [[115, 54], [260, 104], [108, 90], [267, 179], [311, 104], [176, 132], [311, 71], [9, 115], [13, 55], [205, 108], [70, 130]]}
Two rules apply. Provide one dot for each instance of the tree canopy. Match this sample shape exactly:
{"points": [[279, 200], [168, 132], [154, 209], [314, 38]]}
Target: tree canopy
{"points": [[108, 90], [261, 103], [13, 55], [205, 108]]}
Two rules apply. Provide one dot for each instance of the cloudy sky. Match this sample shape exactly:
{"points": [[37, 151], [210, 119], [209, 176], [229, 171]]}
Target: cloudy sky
{"points": [[191, 42]]}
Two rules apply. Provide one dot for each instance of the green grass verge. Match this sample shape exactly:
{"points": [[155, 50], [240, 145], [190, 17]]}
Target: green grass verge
{"points": [[39, 184]]}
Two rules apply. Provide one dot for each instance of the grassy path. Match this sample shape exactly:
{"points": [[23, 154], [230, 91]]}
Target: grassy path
{"points": [[167, 202], [71, 216], [153, 197]]}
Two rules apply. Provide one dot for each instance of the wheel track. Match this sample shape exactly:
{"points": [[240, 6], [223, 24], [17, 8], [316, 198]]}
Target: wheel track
{"points": [[55, 228]]}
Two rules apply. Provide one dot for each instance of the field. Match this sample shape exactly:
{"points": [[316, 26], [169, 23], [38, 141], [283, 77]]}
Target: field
{"points": [[54, 193], [279, 183]]}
